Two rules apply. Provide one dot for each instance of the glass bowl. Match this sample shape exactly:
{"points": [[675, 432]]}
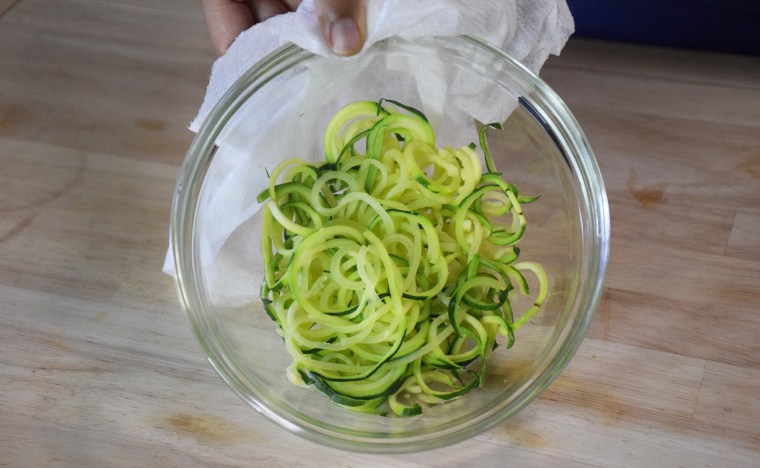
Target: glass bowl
{"points": [[279, 109]]}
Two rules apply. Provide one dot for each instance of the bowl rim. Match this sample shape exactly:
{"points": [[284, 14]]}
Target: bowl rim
{"points": [[544, 105]]}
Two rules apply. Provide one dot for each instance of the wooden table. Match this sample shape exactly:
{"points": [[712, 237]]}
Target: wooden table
{"points": [[98, 366]]}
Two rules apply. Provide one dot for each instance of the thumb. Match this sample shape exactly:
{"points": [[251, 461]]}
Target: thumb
{"points": [[343, 24]]}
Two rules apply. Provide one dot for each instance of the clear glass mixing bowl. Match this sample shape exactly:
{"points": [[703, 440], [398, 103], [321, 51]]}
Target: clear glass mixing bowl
{"points": [[287, 99]]}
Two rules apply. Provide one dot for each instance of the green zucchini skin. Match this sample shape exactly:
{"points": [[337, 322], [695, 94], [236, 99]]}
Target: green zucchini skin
{"points": [[391, 268]]}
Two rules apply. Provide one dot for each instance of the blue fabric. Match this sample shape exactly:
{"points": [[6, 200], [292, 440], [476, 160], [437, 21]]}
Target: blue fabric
{"points": [[723, 26]]}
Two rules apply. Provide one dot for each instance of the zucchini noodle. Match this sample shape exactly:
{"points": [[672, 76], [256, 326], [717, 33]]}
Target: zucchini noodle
{"points": [[391, 268]]}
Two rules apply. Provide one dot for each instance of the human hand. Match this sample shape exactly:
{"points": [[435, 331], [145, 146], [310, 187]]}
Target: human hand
{"points": [[342, 22]]}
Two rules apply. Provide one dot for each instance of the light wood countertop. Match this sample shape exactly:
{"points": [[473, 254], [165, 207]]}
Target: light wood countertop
{"points": [[98, 366]]}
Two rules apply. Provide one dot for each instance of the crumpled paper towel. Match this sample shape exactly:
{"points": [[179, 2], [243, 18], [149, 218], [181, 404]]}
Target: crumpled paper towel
{"points": [[528, 30]]}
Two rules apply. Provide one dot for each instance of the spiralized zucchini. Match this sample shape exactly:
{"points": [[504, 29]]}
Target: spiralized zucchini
{"points": [[392, 268]]}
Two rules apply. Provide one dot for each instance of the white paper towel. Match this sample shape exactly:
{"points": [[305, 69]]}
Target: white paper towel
{"points": [[528, 30]]}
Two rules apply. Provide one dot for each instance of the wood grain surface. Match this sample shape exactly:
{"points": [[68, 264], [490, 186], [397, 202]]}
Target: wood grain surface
{"points": [[98, 366]]}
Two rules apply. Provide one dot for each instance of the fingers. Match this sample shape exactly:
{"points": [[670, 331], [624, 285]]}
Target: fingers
{"points": [[226, 19], [292, 4], [343, 24], [265, 9]]}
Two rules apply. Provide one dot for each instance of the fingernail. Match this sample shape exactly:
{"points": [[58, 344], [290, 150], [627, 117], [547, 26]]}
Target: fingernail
{"points": [[344, 34]]}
